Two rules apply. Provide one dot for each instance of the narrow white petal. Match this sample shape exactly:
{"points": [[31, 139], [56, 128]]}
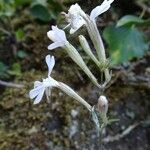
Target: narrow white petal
{"points": [[34, 92], [39, 96], [74, 17], [100, 9], [57, 35], [76, 24], [56, 45], [37, 83], [50, 61], [51, 35]]}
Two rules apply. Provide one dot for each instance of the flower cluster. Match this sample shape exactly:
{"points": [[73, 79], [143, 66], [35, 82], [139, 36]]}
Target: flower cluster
{"points": [[76, 18]]}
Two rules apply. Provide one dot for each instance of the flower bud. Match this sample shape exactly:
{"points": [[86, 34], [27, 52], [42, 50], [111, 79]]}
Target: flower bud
{"points": [[87, 49], [102, 105]]}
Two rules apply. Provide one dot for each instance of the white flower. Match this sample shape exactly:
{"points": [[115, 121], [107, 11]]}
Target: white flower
{"points": [[75, 15], [58, 36], [40, 87], [74, 18], [100, 9]]}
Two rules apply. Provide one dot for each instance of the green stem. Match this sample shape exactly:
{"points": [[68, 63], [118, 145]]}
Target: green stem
{"points": [[101, 137]]}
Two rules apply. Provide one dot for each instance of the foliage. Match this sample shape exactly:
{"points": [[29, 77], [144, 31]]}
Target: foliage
{"points": [[19, 34], [21, 54], [15, 69], [3, 69], [6, 8], [44, 10], [40, 12], [125, 41], [130, 20]]}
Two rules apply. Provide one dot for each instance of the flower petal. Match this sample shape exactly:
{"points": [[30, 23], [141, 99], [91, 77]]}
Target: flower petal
{"points": [[61, 36], [55, 45], [51, 35], [57, 35], [50, 61], [34, 92], [100, 9], [76, 24], [74, 18], [39, 96], [37, 83]]}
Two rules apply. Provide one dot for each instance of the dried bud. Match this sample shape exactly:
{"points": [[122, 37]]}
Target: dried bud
{"points": [[103, 105]]}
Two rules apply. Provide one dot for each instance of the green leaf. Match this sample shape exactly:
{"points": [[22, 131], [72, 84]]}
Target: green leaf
{"points": [[15, 69], [19, 35], [41, 12], [95, 119], [130, 20], [22, 2], [41, 2], [3, 69], [21, 54], [124, 43]]}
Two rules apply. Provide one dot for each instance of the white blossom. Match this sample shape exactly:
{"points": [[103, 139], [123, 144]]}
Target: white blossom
{"points": [[75, 14], [75, 20], [100, 9], [58, 36], [40, 87]]}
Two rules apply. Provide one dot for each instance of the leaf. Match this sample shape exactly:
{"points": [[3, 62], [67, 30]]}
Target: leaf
{"points": [[95, 119], [40, 12], [130, 20], [15, 69], [22, 2], [3, 69], [6, 9], [124, 43], [19, 35], [41, 2], [21, 54], [55, 8]]}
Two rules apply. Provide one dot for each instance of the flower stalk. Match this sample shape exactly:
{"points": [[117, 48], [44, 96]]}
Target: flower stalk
{"points": [[76, 57], [65, 88], [98, 45]]}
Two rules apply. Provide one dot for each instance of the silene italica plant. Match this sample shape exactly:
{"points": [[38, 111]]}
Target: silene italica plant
{"points": [[77, 18]]}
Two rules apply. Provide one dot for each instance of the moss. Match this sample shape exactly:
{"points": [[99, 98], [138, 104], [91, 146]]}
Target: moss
{"points": [[27, 126]]}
